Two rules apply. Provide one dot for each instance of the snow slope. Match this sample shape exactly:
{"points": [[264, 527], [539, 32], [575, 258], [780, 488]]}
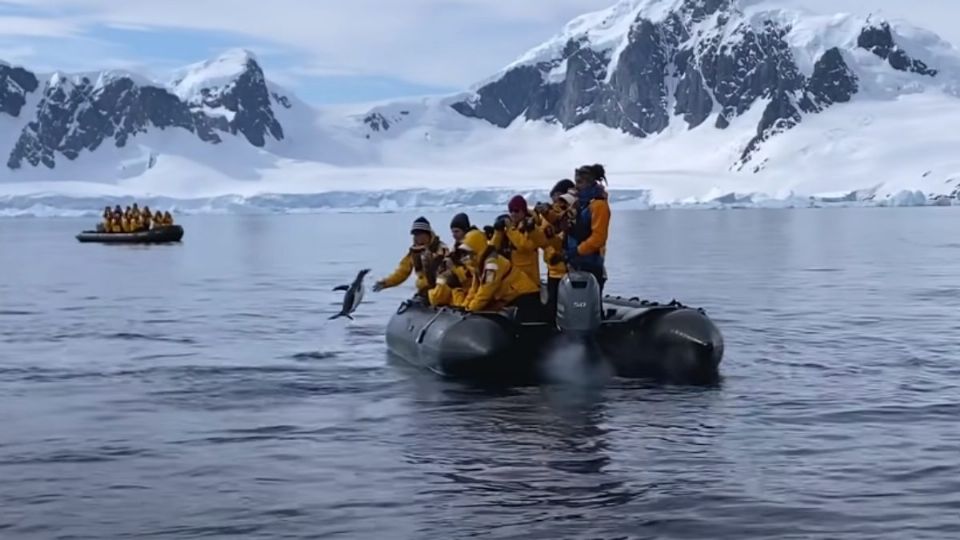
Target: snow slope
{"points": [[893, 144]]}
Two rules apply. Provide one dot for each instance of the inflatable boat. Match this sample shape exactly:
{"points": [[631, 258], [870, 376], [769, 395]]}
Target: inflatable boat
{"points": [[161, 235], [633, 338]]}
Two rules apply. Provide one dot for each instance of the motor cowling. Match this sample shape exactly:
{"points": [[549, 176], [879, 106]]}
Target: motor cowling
{"points": [[579, 306]]}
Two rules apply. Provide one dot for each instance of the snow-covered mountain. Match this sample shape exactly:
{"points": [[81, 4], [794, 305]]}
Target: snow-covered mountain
{"points": [[70, 114], [691, 101], [643, 65], [116, 124]]}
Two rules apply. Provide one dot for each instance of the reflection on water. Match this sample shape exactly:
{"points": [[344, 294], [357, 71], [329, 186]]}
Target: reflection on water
{"points": [[200, 391]]}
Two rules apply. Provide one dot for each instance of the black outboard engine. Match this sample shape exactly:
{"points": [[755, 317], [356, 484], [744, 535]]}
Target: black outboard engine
{"points": [[579, 308]]}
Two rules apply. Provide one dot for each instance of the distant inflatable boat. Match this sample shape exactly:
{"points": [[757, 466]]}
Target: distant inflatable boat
{"points": [[636, 339], [161, 235]]}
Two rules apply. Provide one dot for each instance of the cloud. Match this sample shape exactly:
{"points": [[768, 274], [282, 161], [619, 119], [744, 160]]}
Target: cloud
{"points": [[17, 53], [445, 42], [19, 26], [438, 43]]}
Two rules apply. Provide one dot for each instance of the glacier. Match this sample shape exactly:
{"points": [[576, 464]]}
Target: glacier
{"points": [[439, 200]]}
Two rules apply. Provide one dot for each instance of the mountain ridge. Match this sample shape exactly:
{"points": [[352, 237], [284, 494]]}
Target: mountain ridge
{"points": [[694, 59], [707, 86], [77, 112]]}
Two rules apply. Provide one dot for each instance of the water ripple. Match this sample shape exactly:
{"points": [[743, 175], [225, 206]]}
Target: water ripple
{"points": [[214, 399]]}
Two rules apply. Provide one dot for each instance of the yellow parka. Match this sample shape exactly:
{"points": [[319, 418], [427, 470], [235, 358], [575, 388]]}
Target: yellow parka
{"points": [[496, 282], [422, 261], [523, 247], [452, 288]]}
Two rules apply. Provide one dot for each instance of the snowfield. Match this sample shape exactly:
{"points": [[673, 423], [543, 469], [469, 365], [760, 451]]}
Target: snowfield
{"points": [[894, 144]]}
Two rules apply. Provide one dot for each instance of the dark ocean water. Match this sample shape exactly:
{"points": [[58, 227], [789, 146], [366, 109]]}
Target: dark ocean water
{"points": [[198, 390]]}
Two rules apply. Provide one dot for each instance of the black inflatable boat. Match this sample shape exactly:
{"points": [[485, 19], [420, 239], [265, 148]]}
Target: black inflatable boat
{"points": [[161, 235], [634, 338]]}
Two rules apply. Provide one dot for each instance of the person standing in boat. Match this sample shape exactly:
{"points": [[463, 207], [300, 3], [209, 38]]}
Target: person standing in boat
{"points": [[518, 238], [496, 284], [424, 258], [586, 241], [557, 218]]}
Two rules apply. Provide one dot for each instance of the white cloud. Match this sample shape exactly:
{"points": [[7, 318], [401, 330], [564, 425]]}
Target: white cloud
{"points": [[444, 42], [15, 54], [17, 26], [437, 42]]}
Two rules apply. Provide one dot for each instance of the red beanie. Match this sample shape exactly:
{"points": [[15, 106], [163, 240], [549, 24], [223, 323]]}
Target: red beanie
{"points": [[518, 204]]}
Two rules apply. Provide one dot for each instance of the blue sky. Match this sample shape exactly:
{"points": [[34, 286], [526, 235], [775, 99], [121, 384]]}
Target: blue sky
{"points": [[330, 51]]}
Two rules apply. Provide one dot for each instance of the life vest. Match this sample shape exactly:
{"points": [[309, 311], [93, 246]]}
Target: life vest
{"points": [[582, 228]]}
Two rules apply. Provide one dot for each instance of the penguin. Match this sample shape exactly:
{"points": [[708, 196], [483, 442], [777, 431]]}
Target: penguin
{"points": [[353, 296]]}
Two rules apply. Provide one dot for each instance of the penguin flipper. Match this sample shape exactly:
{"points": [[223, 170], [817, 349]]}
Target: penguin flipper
{"points": [[337, 316], [342, 288]]}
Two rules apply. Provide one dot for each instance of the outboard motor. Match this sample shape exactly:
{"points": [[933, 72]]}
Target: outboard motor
{"points": [[579, 307], [574, 358]]}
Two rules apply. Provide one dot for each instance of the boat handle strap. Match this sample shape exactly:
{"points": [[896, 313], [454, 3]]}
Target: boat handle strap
{"points": [[423, 331]]}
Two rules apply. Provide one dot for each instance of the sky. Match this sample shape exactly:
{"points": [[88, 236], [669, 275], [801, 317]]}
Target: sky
{"points": [[332, 51]]}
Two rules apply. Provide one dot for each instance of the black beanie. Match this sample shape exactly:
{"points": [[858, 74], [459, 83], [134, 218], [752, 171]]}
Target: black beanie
{"points": [[421, 225], [460, 221], [562, 187]]}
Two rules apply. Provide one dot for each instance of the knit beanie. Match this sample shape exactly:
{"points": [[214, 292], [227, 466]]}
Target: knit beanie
{"points": [[460, 221], [563, 186], [421, 225], [517, 204]]}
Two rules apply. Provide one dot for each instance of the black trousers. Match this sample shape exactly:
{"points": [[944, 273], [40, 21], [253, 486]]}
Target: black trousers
{"points": [[601, 275], [529, 308], [553, 288]]}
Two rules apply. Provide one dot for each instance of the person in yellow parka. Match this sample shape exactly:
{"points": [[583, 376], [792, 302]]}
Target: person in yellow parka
{"points": [[147, 218], [423, 258], [136, 221], [167, 219], [105, 225], [558, 218], [452, 284], [496, 283], [525, 235]]}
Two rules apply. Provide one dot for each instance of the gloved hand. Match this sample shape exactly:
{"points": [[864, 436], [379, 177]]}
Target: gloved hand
{"points": [[378, 286], [527, 225], [556, 258], [500, 224], [542, 208], [488, 231], [452, 280]]}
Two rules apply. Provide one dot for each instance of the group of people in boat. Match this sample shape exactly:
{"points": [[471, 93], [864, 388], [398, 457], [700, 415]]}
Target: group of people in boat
{"points": [[499, 266], [132, 219]]}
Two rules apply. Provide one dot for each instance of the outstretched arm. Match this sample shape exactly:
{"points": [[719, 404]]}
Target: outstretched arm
{"points": [[400, 274]]}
